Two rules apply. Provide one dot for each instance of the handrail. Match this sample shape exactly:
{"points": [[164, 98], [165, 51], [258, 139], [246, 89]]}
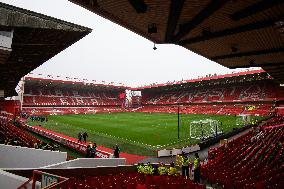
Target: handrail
{"points": [[25, 183], [54, 185], [34, 178]]}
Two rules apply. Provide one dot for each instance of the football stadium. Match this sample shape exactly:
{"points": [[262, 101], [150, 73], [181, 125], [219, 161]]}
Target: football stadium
{"points": [[211, 131]]}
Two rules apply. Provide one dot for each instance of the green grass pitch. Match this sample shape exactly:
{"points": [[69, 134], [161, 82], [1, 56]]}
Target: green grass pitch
{"points": [[137, 133]]}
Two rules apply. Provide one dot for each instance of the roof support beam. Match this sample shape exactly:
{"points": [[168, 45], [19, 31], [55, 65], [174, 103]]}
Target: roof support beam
{"points": [[274, 66], [35, 44], [199, 18], [254, 9], [278, 77], [251, 53], [275, 71], [263, 65], [175, 11], [232, 31], [91, 3]]}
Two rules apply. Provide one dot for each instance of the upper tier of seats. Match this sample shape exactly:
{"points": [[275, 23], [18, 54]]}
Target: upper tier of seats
{"points": [[254, 160], [68, 110], [220, 109], [58, 97], [259, 91]]}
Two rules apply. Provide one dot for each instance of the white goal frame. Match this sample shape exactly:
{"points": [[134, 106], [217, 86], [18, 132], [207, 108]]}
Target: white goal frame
{"points": [[243, 119], [211, 123]]}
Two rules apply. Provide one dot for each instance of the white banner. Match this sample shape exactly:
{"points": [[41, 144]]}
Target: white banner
{"points": [[174, 152]]}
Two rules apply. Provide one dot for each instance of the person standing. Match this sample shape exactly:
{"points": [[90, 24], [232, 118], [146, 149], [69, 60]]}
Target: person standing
{"points": [[162, 169], [93, 150], [179, 160], [172, 170], [85, 136], [80, 137], [116, 151], [185, 166], [89, 149], [196, 168]]}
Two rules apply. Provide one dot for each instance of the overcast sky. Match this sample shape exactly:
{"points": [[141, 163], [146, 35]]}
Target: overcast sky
{"points": [[113, 53]]}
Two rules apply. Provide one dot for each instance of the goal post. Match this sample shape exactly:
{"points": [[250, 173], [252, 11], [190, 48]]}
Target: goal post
{"points": [[243, 120], [203, 129]]}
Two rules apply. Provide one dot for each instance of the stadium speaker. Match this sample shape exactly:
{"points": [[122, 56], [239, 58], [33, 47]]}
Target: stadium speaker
{"points": [[155, 48]]}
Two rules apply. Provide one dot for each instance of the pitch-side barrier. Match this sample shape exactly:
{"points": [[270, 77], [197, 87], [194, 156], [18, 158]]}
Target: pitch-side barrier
{"points": [[79, 147]]}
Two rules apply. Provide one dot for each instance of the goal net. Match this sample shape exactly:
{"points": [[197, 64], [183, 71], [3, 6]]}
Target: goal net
{"points": [[203, 129], [243, 120]]}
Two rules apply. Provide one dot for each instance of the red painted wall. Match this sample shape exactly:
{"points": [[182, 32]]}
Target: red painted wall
{"points": [[10, 106]]}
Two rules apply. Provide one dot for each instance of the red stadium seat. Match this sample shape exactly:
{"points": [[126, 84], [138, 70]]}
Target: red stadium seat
{"points": [[248, 159]]}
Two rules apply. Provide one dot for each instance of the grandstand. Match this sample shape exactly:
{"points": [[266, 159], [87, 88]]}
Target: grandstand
{"points": [[233, 33], [250, 93], [53, 97], [254, 160]]}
